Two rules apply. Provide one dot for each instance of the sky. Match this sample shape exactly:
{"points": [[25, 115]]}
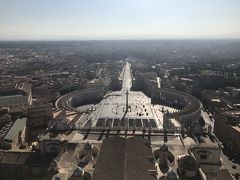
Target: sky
{"points": [[118, 19]]}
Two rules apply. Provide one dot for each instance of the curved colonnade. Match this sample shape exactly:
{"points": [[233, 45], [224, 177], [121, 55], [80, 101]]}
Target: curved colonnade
{"points": [[78, 98], [188, 105]]}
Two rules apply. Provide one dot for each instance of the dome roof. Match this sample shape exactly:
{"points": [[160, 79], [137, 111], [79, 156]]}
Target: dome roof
{"points": [[164, 147], [189, 163], [78, 172], [172, 175], [88, 146]]}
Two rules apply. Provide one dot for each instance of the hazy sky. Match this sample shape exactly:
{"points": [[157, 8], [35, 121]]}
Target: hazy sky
{"points": [[118, 19]]}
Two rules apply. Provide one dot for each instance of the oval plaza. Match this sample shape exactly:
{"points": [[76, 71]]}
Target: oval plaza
{"points": [[128, 109]]}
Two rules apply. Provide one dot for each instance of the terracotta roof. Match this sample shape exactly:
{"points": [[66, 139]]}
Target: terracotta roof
{"points": [[122, 158]]}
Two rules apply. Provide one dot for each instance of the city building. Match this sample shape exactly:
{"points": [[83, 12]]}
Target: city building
{"points": [[15, 137], [39, 115], [19, 95], [225, 109]]}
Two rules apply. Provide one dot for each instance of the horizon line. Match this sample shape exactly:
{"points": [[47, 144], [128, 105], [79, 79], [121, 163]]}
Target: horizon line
{"points": [[140, 39]]}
